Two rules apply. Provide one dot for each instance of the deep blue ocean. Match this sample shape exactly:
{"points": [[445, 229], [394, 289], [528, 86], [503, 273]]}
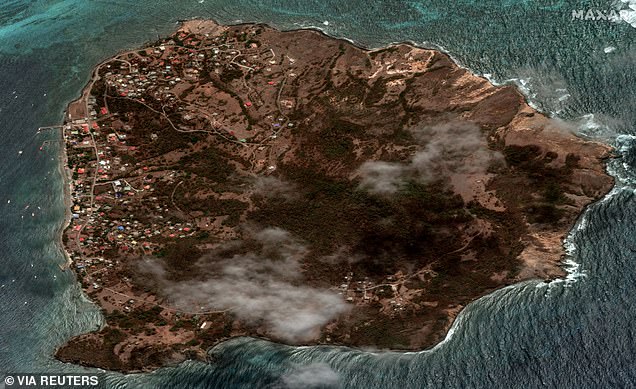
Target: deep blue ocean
{"points": [[579, 332]]}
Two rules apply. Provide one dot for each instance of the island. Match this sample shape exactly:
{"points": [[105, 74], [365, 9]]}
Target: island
{"points": [[233, 181]]}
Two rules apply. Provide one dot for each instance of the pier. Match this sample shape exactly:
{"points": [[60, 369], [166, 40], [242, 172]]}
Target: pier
{"points": [[48, 128]]}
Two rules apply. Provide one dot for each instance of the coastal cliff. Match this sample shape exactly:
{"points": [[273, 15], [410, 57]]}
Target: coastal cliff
{"points": [[242, 181]]}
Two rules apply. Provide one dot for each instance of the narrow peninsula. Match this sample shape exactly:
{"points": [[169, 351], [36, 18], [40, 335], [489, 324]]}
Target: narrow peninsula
{"points": [[242, 181]]}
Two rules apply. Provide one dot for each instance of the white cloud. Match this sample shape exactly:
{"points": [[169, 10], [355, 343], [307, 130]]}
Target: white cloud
{"points": [[262, 287], [446, 149]]}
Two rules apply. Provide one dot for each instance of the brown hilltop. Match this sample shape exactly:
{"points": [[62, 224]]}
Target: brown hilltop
{"points": [[239, 180]]}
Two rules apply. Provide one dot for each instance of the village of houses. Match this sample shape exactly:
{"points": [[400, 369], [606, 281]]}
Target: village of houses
{"points": [[106, 177]]}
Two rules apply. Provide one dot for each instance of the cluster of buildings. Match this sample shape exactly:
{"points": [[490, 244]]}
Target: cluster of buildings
{"points": [[98, 147], [365, 291], [117, 209], [108, 197]]}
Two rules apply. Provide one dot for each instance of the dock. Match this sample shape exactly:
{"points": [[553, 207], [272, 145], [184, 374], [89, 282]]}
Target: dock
{"points": [[47, 128]]}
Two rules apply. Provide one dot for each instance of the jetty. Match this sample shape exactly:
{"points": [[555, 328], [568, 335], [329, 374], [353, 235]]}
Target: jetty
{"points": [[47, 128]]}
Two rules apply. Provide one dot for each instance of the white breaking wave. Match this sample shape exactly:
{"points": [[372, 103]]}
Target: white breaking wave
{"points": [[522, 84], [571, 267], [574, 271], [564, 94], [550, 97], [589, 125], [619, 168], [609, 49], [629, 15]]}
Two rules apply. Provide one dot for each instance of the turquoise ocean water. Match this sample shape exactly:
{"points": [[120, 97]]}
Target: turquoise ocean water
{"points": [[572, 333]]}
